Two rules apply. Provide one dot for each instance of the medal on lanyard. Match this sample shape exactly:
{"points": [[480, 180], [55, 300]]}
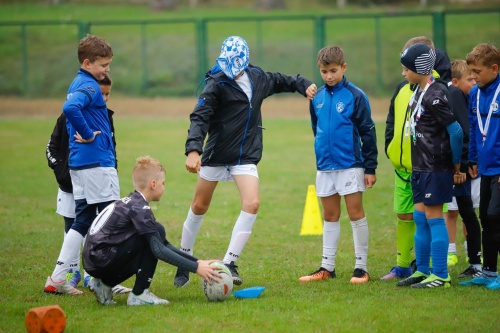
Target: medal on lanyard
{"points": [[493, 107], [417, 111]]}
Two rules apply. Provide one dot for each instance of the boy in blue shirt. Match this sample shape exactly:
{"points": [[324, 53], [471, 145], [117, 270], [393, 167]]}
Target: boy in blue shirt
{"points": [[484, 154], [92, 159], [346, 158]]}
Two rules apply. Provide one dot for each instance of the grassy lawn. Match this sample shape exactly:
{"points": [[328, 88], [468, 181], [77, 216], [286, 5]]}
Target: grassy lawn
{"points": [[275, 256]]}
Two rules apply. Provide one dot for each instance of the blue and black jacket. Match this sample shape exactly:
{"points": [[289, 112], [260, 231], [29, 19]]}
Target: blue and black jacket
{"points": [[86, 112], [487, 156], [343, 128], [234, 123]]}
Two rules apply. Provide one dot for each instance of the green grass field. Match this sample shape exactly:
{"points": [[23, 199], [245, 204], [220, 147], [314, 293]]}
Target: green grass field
{"points": [[275, 256]]}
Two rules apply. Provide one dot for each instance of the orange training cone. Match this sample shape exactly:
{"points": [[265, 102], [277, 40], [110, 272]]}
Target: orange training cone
{"points": [[312, 223], [46, 319]]}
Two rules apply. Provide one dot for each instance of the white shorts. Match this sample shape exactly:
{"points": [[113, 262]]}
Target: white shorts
{"points": [[65, 204], [475, 186], [343, 182], [95, 184], [226, 173]]}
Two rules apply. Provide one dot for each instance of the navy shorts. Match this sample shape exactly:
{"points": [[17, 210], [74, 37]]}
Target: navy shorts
{"points": [[432, 188]]}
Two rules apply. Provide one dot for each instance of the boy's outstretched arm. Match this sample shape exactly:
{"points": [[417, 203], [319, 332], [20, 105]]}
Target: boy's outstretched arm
{"points": [[311, 91], [171, 255]]}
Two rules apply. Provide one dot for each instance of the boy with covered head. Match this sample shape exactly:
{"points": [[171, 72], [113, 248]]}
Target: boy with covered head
{"points": [[229, 112], [436, 150]]}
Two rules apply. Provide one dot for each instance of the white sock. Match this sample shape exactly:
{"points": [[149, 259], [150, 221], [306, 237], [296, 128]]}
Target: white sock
{"points": [[331, 235], [465, 246], [241, 232], [452, 248], [360, 237], [69, 250], [190, 230]]}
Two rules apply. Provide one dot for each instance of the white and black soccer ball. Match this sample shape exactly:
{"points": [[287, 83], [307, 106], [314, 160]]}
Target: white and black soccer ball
{"points": [[221, 290]]}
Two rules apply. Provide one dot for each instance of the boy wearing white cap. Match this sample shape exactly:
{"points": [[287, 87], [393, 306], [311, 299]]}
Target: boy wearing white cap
{"points": [[436, 149], [229, 110]]}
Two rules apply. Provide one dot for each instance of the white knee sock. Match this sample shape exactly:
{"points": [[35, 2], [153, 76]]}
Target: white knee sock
{"points": [[331, 234], [190, 230], [360, 237], [69, 250], [241, 232]]}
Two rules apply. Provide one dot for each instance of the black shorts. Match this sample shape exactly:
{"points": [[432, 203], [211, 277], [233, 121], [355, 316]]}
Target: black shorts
{"points": [[463, 190], [432, 188]]}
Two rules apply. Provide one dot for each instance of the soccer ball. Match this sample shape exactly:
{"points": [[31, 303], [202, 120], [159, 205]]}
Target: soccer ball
{"points": [[219, 291]]}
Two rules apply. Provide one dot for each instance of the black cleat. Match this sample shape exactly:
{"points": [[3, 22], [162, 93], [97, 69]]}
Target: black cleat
{"points": [[237, 280]]}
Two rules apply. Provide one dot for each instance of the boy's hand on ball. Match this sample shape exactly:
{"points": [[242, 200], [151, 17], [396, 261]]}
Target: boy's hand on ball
{"points": [[208, 272]]}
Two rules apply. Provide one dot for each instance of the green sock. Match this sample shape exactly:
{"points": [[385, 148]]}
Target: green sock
{"points": [[405, 231]]}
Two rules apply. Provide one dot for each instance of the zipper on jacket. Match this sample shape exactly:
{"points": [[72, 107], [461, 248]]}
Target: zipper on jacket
{"points": [[402, 140]]}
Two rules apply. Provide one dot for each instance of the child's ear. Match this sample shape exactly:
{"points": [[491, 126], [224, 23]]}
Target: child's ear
{"points": [[495, 68], [86, 63], [454, 81]]}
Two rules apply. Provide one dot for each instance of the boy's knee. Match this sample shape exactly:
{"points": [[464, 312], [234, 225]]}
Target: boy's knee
{"points": [[251, 207], [199, 208]]}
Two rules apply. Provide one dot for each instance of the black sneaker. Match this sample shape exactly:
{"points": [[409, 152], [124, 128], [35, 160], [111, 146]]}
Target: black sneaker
{"points": [[470, 272], [433, 281], [181, 278], [237, 280], [416, 277], [413, 266]]}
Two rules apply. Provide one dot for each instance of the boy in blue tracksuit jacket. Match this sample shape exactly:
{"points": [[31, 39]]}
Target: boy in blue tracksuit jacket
{"points": [[484, 153], [91, 154], [346, 159]]}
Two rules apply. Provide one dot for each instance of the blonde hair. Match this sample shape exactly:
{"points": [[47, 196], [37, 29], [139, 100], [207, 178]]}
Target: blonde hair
{"points": [[331, 55], [484, 54], [419, 39], [459, 68], [146, 169]]}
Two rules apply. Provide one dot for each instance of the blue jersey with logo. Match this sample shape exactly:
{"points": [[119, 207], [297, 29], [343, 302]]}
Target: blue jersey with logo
{"points": [[343, 128], [487, 153], [86, 112]]}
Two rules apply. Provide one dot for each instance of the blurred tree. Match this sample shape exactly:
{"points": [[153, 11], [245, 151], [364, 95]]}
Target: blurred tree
{"points": [[270, 4]]}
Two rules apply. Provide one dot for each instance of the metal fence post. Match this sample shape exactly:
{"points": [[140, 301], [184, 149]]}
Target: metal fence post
{"points": [[378, 47], [25, 60], [439, 30], [83, 29], [319, 41], [201, 42], [144, 55]]}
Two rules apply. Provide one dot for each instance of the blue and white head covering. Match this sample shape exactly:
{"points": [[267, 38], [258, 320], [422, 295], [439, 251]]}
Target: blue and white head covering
{"points": [[419, 58], [234, 56]]}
